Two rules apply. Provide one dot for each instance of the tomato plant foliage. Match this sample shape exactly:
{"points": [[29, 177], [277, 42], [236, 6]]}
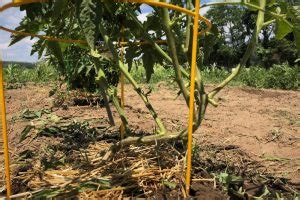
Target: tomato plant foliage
{"points": [[96, 62]]}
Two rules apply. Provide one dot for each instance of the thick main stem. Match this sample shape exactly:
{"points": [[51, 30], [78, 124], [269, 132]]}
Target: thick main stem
{"points": [[107, 107], [123, 69], [172, 47], [120, 110]]}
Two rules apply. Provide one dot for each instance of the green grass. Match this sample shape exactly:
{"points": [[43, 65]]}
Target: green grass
{"points": [[40, 73], [277, 77], [160, 74]]}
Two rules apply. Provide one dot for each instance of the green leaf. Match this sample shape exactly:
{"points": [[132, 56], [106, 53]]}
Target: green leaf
{"points": [[131, 53], [254, 2], [148, 63], [95, 53], [28, 114], [25, 26], [88, 16], [283, 27], [25, 132], [59, 6], [39, 113], [169, 184], [55, 118], [101, 76], [297, 39], [55, 49], [80, 69]]}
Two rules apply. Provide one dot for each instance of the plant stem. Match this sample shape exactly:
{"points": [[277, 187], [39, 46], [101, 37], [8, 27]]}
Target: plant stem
{"points": [[173, 52], [119, 109], [249, 5], [108, 110], [156, 46], [122, 67], [250, 49], [188, 28]]}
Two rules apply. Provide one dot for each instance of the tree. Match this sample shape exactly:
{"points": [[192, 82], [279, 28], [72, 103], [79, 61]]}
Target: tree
{"points": [[235, 25]]}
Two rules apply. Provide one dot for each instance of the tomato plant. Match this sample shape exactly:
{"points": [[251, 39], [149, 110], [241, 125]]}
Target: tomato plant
{"points": [[98, 64]]}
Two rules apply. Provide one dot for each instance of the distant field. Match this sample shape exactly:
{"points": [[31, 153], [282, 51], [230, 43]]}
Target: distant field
{"points": [[24, 64]]}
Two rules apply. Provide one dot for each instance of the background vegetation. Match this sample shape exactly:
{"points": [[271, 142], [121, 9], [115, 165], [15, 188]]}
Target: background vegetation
{"points": [[280, 76]]}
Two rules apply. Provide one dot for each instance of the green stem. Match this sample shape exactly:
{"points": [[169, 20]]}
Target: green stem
{"points": [[122, 67], [188, 28], [251, 6], [250, 49], [269, 22], [155, 45], [173, 52], [113, 96], [107, 107]]}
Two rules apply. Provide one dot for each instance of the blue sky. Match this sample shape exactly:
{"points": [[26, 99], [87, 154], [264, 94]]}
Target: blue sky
{"points": [[21, 51]]}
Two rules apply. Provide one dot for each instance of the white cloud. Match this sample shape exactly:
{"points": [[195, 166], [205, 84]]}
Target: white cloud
{"points": [[204, 10], [21, 50], [143, 17]]}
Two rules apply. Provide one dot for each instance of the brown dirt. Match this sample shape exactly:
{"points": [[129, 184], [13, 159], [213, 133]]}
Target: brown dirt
{"points": [[263, 124]]}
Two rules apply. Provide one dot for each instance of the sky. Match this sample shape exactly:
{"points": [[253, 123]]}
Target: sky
{"points": [[21, 50]]}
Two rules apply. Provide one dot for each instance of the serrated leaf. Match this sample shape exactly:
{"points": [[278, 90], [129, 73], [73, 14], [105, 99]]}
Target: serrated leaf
{"points": [[88, 16], [59, 5], [148, 63], [131, 53], [25, 26], [55, 49], [283, 27]]}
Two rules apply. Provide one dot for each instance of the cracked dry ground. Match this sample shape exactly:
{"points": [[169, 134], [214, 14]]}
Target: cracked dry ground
{"points": [[264, 124]]}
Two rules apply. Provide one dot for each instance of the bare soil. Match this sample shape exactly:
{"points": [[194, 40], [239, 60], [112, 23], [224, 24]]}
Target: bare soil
{"points": [[249, 126]]}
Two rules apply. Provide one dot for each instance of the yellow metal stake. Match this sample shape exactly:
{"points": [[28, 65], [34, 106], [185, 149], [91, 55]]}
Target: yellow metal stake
{"points": [[4, 133], [122, 79], [192, 97]]}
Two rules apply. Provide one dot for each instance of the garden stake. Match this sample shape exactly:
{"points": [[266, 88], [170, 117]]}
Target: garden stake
{"points": [[4, 133], [192, 97]]}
